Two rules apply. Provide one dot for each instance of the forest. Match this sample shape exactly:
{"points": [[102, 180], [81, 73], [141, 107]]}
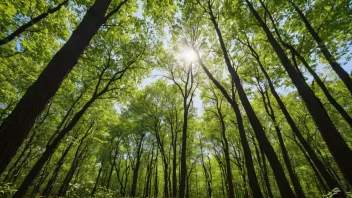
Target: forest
{"points": [[176, 98]]}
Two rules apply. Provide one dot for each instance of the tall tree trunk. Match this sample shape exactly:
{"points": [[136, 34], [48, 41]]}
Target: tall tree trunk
{"points": [[264, 169], [50, 148], [230, 189], [11, 171], [156, 183], [269, 110], [75, 163], [341, 153], [174, 163], [187, 94], [163, 155], [49, 186], [240, 164], [263, 141], [27, 146], [30, 23], [125, 175], [183, 172], [346, 79], [295, 53], [65, 184], [253, 181], [15, 128], [111, 169], [332, 183], [97, 179], [316, 172], [207, 175], [44, 174], [149, 176], [325, 90], [136, 166]]}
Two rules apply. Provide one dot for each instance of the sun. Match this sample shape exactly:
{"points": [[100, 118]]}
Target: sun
{"points": [[190, 55]]}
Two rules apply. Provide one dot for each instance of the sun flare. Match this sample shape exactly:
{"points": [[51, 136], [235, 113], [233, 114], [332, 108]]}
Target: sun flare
{"points": [[190, 55]]}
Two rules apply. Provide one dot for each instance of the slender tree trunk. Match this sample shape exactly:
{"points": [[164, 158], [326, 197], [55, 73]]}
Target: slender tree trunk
{"points": [[11, 171], [149, 176], [111, 169], [44, 174], [316, 172], [326, 92], [264, 169], [75, 163], [118, 170], [50, 148], [163, 156], [269, 110], [295, 53], [253, 182], [97, 179], [174, 165], [206, 172], [240, 164], [263, 141], [222, 176], [183, 172], [65, 184], [346, 79], [230, 189], [49, 186], [341, 153], [126, 172], [136, 167], [332, 183], [40, 92], [156, 183]]}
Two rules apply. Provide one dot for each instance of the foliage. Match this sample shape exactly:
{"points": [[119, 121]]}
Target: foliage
{"points": [[160, 76]]}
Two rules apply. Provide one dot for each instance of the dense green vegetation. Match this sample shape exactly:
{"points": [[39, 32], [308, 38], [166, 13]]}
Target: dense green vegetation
{"points": [[163, 98]]}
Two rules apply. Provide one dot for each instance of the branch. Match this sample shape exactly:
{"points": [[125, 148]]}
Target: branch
{"points": [[29, 24], [115, 10]]}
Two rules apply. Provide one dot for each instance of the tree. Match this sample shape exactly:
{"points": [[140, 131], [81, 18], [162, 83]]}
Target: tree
{"points": [[26, 111]]}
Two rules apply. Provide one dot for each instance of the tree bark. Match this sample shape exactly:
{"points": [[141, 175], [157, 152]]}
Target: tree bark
{"points": [[174, 166], [50, 148], [113, 164], [183, 172], [97, 179], [136, 166], [269, 110], [346, 79], [187, 94], [208, 178], [47, 190], [332, 183], [156, 189], [263, 167], [253, 181], [263, 141], [163, 154], [337, 146], [295, 53], [148, 185], [77, 158], [231, 193], [16, 126]]}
